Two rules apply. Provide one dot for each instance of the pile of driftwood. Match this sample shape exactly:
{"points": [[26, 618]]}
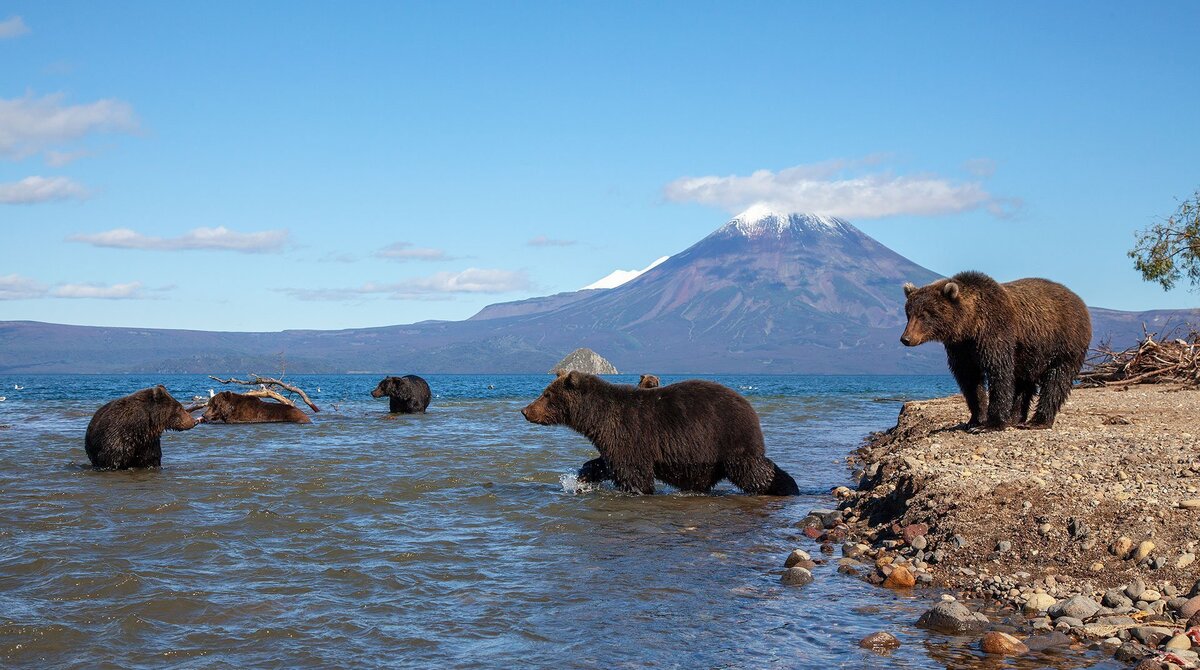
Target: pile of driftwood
{"points": [[264, 390], [1152, 361]]}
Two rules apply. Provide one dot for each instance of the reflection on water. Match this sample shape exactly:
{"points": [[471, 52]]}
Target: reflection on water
{"points": [[451, 539]]}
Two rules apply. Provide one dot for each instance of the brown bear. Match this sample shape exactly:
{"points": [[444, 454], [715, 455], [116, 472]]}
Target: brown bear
{"points": [[125, 433], [690, 434], [407, 395], [649, 382], [1017, 338], [230, 407]]}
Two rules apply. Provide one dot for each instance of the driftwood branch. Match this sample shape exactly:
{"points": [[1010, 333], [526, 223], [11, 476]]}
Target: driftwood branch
{"points": [[1151, 361], [264, 390]]}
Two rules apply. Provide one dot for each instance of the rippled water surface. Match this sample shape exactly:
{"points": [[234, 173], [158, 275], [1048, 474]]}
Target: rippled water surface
{"points": [[451, 539]]}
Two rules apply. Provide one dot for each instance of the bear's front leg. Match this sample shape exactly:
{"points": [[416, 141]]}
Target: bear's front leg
{"points": [[594, 472], [999, 367]]}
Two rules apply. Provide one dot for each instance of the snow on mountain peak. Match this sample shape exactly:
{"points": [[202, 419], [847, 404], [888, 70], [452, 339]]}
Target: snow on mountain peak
{"points": [[619, 277], [761, 220]]}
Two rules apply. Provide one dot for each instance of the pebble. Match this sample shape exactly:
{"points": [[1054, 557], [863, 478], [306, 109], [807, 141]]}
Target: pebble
{"points": [[1122, 547], [1004, 644], [900, 578], [1179, 641], [1143, 550], [796, 577], [1190, 607], [1150, 595], [1185, 560], [1077, 607], [1039, 602], [1191, 503], [797, 556], [1135, 588], [1151, 635], [879, 642], [1047, 641], [919, 542], [1097, 566], [1115, 598], [1004, 546], [952, 618]]}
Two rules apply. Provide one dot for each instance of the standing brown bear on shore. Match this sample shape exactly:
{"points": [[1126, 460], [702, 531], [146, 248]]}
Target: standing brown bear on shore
{"points": [[230, 407], [1017, 338], [690, 435], [125, 433]]}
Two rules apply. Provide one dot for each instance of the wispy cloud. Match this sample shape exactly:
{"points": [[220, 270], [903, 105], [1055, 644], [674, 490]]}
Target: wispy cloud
{"points": [[12, 27], [845, 188], [543, 241], [439, 285], [130, 291], [32, 190], [219, 238], [16, 287], [60, 158], [30, 125], [405, 251]]}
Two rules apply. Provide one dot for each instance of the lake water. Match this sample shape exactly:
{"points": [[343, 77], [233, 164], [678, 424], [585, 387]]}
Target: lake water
{"points": [[451, 540]]}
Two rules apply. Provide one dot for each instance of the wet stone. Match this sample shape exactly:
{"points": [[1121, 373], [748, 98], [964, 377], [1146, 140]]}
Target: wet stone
{"points": [[879, 642]]}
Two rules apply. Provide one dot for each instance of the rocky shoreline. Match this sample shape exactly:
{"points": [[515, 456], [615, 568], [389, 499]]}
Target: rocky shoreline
{"points": [[1084, 534]]}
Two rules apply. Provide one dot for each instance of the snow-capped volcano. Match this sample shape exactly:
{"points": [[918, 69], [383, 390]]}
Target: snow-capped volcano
{"points": [[761, 220]]}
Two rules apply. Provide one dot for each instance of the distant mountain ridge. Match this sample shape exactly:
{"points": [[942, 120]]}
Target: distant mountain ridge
{"points": [[765, 293]]}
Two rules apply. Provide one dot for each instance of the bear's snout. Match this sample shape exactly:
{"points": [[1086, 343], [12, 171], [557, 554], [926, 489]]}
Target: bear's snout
{"points": [[376, 393], [905, 341]]}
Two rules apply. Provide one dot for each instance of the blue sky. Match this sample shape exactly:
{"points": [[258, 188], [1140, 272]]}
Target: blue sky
{"points": [[261, 166]]}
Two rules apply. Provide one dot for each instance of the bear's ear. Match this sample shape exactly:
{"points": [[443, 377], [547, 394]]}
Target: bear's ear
{"points": [[571, 379], [160, 391], [909, 287], [950, 290], [559, 373]]}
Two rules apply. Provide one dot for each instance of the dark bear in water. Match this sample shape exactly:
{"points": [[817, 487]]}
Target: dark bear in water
{"points": [[1017, 338], [125, 433], [230, 407], [690, 434], [407, 395], [649, 382]]}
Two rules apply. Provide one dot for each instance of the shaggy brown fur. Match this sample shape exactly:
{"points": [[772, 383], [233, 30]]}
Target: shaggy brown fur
{"points": [[125, 433], [649, 382], [690, 434], [407, 395], [230, 407], [1016, 339]]}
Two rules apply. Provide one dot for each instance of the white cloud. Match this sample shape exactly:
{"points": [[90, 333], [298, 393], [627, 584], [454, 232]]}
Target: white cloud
{"points": [[130, 291], [60, 158], [219, 238], [543, 241], [438, 285], [32, 190], [30, 125], [837, 188], [405, 251], [16, 287], [619, 277], [13, 27], [980, 167]]}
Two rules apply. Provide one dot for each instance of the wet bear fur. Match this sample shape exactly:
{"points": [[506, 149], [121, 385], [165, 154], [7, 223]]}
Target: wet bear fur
{"points": [[125, 432], [1004, 343], [690, 434], [230, 407], [406, 395]]}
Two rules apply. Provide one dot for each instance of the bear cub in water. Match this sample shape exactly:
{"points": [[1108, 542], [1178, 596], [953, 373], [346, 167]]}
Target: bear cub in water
{"points": [[230, 407], [1019, 338], [126, 432], [690, 434], [406, 395]]}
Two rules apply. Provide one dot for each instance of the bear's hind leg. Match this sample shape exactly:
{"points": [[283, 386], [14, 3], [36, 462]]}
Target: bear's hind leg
{"points": [[760, 476], [632, 479], [1056, 386]]}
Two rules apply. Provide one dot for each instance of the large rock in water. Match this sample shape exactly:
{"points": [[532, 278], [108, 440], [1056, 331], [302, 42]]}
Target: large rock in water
{"points": [[584, 360]]}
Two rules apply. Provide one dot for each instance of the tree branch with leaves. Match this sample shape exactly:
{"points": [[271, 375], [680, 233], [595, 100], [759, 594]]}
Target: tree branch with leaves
{"points": [[1169, 251]]}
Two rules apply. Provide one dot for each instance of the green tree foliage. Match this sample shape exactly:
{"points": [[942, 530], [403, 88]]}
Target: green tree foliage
{"points": [[1169, 251]]}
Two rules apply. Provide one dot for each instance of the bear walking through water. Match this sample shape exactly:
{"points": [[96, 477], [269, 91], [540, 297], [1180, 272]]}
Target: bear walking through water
{"points": [[407, 395], [1004, 342], [126, 432], [690, 434], [230, 407]]}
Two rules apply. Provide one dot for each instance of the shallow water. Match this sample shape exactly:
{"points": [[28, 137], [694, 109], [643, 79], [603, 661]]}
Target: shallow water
{"points": [[451, 539]]}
